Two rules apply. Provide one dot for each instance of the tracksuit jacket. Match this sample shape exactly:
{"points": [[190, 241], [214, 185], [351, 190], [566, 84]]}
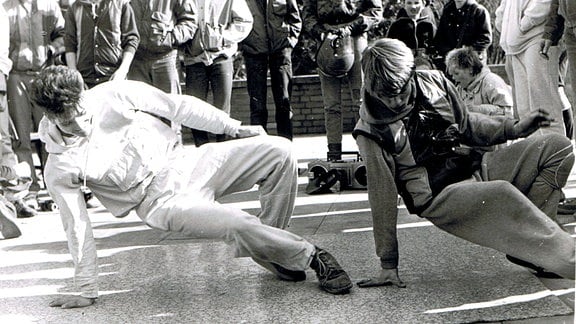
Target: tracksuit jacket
{"points": [[100, 35]]}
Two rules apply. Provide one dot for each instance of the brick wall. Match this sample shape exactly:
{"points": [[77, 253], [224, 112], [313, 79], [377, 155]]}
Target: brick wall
{"points": [[306, 104]]}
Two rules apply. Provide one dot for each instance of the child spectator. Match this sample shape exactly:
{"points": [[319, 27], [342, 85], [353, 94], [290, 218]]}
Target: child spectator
{"points": [[481, 90]]}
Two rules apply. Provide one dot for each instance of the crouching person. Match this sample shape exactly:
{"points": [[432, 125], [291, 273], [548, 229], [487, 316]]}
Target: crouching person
{"points": [[417, 139], [114, 139]]}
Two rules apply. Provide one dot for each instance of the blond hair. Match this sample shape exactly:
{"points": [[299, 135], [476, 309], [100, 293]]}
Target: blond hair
{"points": [[388, 65]]}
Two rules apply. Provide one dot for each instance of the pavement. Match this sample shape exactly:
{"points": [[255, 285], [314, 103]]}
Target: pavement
{"points": [[149, 276]]}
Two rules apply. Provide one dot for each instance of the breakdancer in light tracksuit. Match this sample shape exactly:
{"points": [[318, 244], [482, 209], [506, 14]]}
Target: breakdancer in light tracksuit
{"points": [[114, 138]]}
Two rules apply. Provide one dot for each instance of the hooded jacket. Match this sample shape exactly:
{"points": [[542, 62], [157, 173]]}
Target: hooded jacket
{"points": [[128, 145], [424, 137], [99, 33]]}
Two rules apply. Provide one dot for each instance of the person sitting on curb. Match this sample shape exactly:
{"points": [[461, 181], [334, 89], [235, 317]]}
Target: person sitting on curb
{"points": [[115, 139], [415, 136]]}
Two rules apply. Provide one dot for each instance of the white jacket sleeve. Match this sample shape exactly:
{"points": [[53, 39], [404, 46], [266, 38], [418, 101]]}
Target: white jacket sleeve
{"points": [[64, 187], [182, 109]]}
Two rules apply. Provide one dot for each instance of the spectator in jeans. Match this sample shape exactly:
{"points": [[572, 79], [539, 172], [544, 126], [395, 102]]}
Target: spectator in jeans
{"points": [[36, 28], [275, 31], [322, 19], [209, 56], [100, 39]]}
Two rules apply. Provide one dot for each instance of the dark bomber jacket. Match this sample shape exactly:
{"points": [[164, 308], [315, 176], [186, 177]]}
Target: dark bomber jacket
{"points": [[99, 35], [277, 25]]}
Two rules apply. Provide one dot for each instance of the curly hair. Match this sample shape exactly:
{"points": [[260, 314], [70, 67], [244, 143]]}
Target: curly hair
{"points": [[464, 58], [388, 65], [58, 89]]}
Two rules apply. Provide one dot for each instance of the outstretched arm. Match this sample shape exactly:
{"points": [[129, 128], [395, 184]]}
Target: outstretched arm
{"points": [[383, 198]]}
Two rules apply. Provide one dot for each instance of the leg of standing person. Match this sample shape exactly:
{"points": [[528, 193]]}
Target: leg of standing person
{"points": [[140, 70], [332, 97], [281, 79], [8, 156], [570, 42], [164, 72], [20, 109], [356, 76], [534, 82], [221, 80], [197, 85], [257, 86]]}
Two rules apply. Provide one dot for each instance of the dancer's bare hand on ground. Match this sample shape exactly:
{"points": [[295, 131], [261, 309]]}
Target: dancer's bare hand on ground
{"points": [[72, 302], [387, 277], [249, 131]]}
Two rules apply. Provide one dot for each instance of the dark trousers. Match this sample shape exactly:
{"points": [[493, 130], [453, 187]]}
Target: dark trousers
{"points": [[280, 65], [200, 78]]}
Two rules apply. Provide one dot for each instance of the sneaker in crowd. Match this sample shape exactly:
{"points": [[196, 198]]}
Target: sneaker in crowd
{"points": [[23, 210], [281, 272], [330, 274]]}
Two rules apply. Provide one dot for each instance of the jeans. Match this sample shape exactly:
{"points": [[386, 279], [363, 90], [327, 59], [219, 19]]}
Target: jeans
{"points": [[280, 64], [26, 118], [159, 72], [217, 76], [332, 93]]}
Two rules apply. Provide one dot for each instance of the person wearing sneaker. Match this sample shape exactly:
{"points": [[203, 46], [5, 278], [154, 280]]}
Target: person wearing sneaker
{"points": [[114, 139], [418, 140]]}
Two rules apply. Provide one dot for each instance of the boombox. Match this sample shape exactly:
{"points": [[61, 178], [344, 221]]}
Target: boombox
{"points": [[351, 173]]}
